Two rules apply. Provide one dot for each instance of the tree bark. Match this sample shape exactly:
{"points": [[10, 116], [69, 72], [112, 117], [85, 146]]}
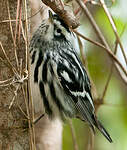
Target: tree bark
{"points": [[16, 128], [13, 123]]}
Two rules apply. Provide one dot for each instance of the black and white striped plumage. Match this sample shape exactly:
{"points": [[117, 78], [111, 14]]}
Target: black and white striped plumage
{"points": [[59, 75]]}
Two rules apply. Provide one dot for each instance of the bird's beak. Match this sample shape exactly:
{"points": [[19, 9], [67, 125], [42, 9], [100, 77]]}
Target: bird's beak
{"points": [[50, 16]]}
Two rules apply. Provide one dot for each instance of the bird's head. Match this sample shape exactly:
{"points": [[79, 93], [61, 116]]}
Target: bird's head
{"points": [[56, 28]]}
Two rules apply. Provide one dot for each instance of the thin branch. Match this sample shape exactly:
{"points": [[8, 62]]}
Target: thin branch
{"points": [[22, 110], [17, 16], [8, 80], [38, 118], [110, 74], [23, 20], [20, 20], [106, 49], [62, 4], [15, 95], [84, 61], [93, 23], [107, 83], [10, 64], [26, 32], [30, 107], [98, 32], [23, 32], [114, 28], [15, 80], [91, 140], [81, 51], [4, 85], [20, 68], [111, 69], [73, 135], [66, 15], [28, 114], [15, 52], [6, 21]]}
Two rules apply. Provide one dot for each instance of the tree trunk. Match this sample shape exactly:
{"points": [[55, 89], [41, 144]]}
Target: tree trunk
{"points": [[13, 123], [17, 131]]}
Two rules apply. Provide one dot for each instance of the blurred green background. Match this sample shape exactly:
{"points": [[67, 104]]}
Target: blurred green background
{"points": [[113, 114]]}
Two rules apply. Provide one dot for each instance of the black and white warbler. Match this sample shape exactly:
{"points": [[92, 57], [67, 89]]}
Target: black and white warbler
{"points": [[58, 76]]}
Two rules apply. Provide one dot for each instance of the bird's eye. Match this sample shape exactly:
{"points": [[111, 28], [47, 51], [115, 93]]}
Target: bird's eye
{"points": [[58, 30]]}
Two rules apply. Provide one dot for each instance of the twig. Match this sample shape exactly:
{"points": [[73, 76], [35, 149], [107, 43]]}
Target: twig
{"points": [[66, 15], [28, 114], [36, 120], [20, 21], [26, 32], [4, 85], [10, 64], [106, 49], [107, 83], [98, 32], [30, 107], [20, 68], [23, 20], [4, 21], [15, 52], [93, 23], [34, 13], [17, 78], [17, 16], [81, 51], [84, 61], [73, 135], [15, 94], [114, 28], [109, 76], [91, 141], [26, 85], [8, 80], [23, 32], [22, 110], [62, 4], [14, 80], [111, 69]]}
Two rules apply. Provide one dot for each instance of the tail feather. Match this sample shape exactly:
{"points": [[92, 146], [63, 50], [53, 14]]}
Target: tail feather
{"points": [[88, 115], [102, 130]]}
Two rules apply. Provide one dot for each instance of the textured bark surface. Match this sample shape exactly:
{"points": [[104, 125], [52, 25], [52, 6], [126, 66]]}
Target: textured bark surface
{"points": [[14, 133], [13, 127]]}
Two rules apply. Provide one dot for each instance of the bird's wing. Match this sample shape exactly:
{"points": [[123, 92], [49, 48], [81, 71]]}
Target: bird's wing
{"points": [[75, 82]]}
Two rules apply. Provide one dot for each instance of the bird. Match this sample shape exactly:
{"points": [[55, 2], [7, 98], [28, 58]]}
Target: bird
{"points": [[59, 75]]}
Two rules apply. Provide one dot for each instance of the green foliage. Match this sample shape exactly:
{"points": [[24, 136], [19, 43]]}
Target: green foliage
{"points": [[113, 112]]}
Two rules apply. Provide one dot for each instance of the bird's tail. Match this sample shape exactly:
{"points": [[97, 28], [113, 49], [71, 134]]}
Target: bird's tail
{"points": [[100, 127]]}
